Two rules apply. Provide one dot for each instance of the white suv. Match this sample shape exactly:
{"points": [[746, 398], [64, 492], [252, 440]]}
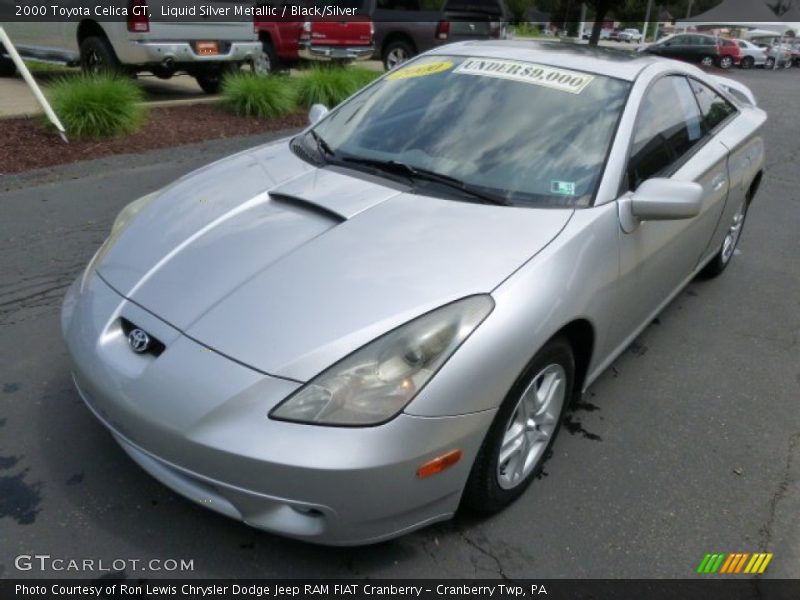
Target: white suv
{"points": [[630, 35], [204, 50]]}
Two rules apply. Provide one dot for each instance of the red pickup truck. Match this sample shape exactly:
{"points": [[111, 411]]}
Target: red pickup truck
{"points": [[287, 37]]}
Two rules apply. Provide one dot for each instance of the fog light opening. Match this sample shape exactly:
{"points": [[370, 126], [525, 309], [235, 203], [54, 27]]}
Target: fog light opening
{"points": [[439, 464]]}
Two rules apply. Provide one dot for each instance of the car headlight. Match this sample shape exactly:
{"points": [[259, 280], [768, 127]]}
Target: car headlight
{"points": [[124, 217], [375, 383]]}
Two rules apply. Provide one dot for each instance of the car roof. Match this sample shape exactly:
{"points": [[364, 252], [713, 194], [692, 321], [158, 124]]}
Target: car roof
{"points": [[619, 64]]}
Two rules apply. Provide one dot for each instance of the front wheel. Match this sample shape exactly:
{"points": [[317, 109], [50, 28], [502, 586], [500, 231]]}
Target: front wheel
{"points": [[523, 430], [726, 62], [747, 62], [266, 62], [770, 64], [707, 61]]}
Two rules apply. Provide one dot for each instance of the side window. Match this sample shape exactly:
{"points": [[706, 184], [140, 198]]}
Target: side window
{"points": [[669, 125], [714, 108]]}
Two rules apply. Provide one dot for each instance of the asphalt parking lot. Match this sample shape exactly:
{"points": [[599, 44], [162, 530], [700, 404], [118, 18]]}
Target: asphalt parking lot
{"points": [[688, 444]]}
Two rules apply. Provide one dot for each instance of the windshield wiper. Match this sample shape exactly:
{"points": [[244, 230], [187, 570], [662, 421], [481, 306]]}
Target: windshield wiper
{"points": [[411, 172]]}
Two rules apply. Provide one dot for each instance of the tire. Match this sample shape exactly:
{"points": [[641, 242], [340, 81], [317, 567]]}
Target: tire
{"points": [[707, 61], [725, 62], [211, 81], [747, 62], [7, 67], [97, 56], [770, 64], [724, 257], [495, 483], [268, 62], [397, 52]]}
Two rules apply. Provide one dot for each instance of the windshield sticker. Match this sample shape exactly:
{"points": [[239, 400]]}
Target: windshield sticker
{"points": [[557, 79], [562, 188], [417, 70]]}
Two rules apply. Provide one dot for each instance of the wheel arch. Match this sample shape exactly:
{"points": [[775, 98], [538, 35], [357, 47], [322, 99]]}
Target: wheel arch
{"points": [[398, 36], [580, 334], [751, 193], [87, 28]]}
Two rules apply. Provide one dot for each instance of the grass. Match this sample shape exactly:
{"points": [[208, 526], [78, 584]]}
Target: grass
{"points": [[331, 84], [529, 31], [266, 97], [97, 106]]}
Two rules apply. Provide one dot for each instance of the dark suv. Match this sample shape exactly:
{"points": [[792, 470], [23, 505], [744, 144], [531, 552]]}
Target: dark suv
{"points": [[404, 28], [691, 47]]}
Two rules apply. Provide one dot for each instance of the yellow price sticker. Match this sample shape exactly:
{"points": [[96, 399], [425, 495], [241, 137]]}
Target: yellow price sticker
{"points": [[430, 68]]}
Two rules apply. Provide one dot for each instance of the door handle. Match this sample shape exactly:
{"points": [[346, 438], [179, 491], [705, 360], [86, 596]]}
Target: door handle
{"points": [[719, 182]]}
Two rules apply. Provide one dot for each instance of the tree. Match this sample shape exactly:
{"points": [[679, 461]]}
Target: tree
{"points": [[601, 10]]}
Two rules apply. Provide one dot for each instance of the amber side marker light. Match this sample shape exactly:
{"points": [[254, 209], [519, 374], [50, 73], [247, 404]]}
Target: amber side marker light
{"points": [[439, 464]]}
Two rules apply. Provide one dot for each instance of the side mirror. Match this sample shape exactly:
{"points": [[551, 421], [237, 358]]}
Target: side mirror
{"points": [[316, 112], [660, 199]]}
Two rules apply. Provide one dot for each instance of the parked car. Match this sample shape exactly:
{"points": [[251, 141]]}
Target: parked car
{"points": [[204, 50], [346, 354], [730, 54], [752, 55], [697, 48], [403, 29], [630, 35], [341, 38], [615, 35], [780, 53]]}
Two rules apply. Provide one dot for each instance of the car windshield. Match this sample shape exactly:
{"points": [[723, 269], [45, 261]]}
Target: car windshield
{"points": [[523, 133]]}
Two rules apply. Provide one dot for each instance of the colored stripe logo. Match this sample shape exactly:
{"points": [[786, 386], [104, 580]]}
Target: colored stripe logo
{"points": [[735, 563]]}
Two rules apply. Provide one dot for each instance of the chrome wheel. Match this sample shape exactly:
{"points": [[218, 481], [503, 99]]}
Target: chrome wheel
{"points": [[707, 61], [726, 62], [732, 237], [396, 56], [531, 426]]}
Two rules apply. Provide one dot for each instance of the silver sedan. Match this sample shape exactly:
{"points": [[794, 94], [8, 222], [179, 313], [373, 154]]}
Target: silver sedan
{"points": [[347, 335]]}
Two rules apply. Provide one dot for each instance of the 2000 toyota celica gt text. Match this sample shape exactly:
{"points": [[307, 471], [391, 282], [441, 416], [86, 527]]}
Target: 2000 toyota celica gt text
{"points": [[346, 335]]}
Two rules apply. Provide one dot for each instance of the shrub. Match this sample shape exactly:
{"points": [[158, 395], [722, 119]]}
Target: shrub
{"points": [[329, 85], [95, 106], [264, 97]]}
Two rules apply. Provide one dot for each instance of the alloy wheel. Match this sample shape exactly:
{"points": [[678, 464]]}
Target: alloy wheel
{"points": [[707, 61], [531, 426], [734, 231], [395, 57]]}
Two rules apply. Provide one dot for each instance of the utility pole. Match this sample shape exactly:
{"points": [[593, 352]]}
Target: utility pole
{"points": [[583, 21], [688, 15], [647, 20]]}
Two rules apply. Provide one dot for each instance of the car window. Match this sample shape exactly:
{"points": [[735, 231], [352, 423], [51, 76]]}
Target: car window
{"points": [[533, 134], [714, 108], [669, 125], [743, 45]]}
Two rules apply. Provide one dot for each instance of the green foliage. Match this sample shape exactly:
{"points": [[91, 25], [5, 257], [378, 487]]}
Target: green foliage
{"points": [[527, 30], [97, 106], [265, 97], [330, 84]]}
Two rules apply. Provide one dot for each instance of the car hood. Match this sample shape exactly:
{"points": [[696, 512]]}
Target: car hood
{"points": [[287, 268]]}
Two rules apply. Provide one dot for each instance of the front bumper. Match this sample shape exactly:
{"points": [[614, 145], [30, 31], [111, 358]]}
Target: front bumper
{"points": [[197, 422], [184, 53], [309, 51]]}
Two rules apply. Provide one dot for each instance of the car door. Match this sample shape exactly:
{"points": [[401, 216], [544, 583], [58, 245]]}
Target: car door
{"points": [[658, 257]]}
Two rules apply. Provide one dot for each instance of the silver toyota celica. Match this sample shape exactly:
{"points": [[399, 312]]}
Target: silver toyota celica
{"points": [[346, 335]]}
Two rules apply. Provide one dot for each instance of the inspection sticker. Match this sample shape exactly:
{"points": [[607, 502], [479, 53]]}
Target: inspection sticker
{"points": [[572, 82], [422, 70], [562, 188]]}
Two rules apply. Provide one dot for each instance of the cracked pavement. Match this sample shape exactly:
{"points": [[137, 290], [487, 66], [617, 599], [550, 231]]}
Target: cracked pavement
{"points": [[689, 444]]}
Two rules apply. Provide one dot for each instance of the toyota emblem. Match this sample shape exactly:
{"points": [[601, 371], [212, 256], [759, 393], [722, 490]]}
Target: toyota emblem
{"points": [[139, 341]]}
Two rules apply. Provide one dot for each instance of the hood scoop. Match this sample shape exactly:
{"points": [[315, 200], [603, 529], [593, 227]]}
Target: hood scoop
{"points": [[288, 202]]}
